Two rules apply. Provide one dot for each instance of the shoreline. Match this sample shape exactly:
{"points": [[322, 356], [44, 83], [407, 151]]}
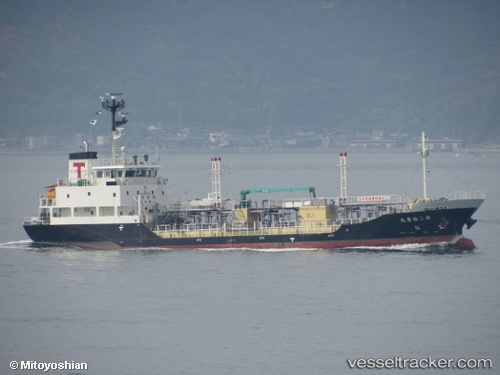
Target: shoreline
{"points": [[463, 151]]}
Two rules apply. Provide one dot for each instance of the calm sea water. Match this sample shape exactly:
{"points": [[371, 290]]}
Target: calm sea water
{"points": [[252, 312]]}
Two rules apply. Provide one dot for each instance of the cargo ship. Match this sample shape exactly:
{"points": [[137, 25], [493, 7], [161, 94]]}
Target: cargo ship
{"points": [[122, 202]]}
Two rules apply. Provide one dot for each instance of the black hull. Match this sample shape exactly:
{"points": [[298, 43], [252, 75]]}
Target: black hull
{"points": [[392, 229]]}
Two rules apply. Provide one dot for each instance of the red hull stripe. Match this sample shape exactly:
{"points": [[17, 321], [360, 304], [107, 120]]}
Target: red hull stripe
{"points": [[339, 244]]}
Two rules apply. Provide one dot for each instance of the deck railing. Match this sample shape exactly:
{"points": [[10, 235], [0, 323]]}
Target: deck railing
{"points": [[459, 195], [36, 220], [212, 230]]}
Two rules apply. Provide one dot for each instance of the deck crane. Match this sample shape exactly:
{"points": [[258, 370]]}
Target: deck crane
{"points": [[244, 193]]}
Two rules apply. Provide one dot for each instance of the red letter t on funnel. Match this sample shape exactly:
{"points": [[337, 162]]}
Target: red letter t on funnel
{"points": [[79, 166]]}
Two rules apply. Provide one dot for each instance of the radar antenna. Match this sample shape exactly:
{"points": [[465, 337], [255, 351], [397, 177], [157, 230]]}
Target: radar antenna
{"points": [[111, 104]]}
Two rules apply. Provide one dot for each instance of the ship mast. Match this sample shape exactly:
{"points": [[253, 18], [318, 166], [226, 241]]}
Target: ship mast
{"points": [[424, 154], [343, 176], [216, 186], [113, 105]]}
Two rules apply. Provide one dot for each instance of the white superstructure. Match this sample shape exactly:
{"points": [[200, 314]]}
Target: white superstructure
{"points": [[103, 191]]}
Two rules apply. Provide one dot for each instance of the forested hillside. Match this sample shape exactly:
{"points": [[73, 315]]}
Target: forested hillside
{"points": [[363, 65]]}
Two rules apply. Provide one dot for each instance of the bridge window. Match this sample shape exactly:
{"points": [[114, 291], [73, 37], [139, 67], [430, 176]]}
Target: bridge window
{"points": [[139, 173]]}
